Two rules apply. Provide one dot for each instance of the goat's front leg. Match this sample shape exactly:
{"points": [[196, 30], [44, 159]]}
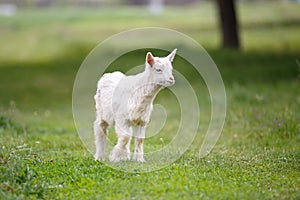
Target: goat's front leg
{"points": [[121, 151], [139, 133]]}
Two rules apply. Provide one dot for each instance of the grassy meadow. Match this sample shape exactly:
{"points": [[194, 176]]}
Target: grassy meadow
{"points": [[256, 157]]}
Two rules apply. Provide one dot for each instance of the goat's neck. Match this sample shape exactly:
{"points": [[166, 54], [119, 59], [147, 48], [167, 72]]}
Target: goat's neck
{"points": [[148, 88]]}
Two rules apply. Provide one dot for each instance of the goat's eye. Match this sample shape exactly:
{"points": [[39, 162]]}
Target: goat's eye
{"points": [[158, 70]]}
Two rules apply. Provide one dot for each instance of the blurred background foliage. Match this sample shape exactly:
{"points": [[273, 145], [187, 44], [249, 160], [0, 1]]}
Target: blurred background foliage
{"points": [[43, 42]]}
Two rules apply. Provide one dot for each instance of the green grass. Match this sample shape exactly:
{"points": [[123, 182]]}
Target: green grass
{"points": [[256, 157]]}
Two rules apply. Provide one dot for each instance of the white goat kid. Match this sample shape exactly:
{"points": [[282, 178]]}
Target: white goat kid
{"points": [[127, 102]]}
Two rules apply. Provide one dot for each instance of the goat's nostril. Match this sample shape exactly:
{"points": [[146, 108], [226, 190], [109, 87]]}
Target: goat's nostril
{"points": [[171, 78]]}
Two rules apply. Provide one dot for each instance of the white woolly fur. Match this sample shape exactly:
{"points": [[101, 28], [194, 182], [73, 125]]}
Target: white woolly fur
{"points": [[126, 102]]}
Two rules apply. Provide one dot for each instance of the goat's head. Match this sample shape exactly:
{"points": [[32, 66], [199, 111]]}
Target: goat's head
{"points": [[161, 68]]}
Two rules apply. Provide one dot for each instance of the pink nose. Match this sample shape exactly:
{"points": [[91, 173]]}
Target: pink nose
{"points": [[171, 78]]}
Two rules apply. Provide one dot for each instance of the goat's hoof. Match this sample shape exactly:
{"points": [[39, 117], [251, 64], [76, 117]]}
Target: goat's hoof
{"points": [[138, 157], [99, 158], [118, 155]]}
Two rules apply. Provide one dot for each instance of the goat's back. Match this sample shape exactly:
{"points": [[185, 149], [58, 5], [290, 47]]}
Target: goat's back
{"points": [[105, 91]]}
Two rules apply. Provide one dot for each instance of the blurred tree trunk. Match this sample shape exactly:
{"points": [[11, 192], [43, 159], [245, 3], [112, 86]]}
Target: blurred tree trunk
{"points": [[228, 23]]}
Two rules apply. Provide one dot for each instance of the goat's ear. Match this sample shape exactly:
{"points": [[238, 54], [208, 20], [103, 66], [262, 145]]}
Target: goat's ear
{"points": [[172, 55], [150, 59]]}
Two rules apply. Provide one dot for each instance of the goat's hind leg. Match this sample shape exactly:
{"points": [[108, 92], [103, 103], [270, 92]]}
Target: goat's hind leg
{"points": [[100, 133]]}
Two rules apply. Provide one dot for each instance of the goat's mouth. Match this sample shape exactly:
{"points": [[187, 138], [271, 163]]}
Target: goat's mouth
{"points": [[167, 83], [170, 82]]}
